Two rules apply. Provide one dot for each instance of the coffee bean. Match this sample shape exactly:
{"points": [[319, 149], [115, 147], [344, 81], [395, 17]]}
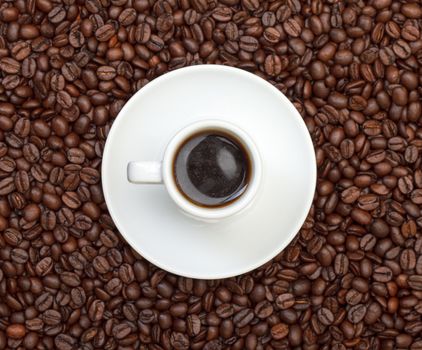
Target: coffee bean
{"points": [[51, 317], [96, 310], [285, 301], [361, 216], [127, 16], [341, 264], [7, 186], [292, 27], [382, 274], [248, 43], [106, 73], [415, 282], [402, 49], [105, 32], [263, 309], [274, 65], [64, 341], [279, 331], [9, 65], [44, 266], [15, 331], [325, 316], [243, 317], [70, 71], [19, 255], [44, 302], [70, 278]]}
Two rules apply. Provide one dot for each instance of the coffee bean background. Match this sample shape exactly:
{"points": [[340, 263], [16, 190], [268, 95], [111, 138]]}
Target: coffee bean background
{"points": [[352, 277]]}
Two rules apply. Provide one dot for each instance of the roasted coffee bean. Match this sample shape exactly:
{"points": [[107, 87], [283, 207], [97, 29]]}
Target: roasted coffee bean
{"points": [[243, 317], [105, 32], [64, 341], [415, 282], [96, 310], [279, 331], [292, 27], [15, 331], [9, 65], [106, 73], [19, 256], [263, 309], [325, 316], [248, 43], [356, 313], [51, 317], [382, 274], [7, 186], [285, 301]]}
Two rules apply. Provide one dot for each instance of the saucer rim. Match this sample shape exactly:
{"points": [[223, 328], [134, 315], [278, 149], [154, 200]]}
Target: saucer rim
{"points": [[308, 145]]}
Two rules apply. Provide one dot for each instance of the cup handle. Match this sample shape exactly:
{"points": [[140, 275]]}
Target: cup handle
{"points": [[144, 172]]}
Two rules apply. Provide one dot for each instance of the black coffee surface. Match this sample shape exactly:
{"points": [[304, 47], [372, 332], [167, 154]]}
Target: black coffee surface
{"points": [[211, 169]]}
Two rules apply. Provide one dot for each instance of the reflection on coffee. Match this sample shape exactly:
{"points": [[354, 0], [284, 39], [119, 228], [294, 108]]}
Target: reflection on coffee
{"points": [[212, 168]]}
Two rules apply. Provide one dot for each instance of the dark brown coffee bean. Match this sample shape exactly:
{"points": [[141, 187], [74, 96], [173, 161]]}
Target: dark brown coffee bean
{"points": [[127, 16], [274, 65], [70, 71], [51, 317], [44, 302], [285, 301], [361, 216], [408, 259], [105, 32], [7, 186], [44, 266], [11, 82], [243, 317], [415, 282], [7, 165], [263, 309], [31, 153], [325, 316], [21, 50], [248, 43], [64, 341], [382, 274], [143, 33], [292, 27], [155, 43], [10, 65], [193, 325], [57, 14], [353, 297], [70, 278], [19, 256], [272, 35], [106, 73], [356, 313], [341, 264], [64, 99], [402, 49]]}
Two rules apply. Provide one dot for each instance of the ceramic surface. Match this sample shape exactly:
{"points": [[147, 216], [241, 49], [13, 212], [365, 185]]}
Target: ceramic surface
{"points": [[152, 223]]}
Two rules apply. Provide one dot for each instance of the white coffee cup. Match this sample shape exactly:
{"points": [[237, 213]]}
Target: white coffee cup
{"points": [[161, 172]]}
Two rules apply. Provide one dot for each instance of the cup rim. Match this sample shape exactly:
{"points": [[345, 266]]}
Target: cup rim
{"points": [[193, 209]]}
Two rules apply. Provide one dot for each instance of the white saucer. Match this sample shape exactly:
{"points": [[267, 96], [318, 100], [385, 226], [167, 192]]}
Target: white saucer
{"points": [[150, 221]]}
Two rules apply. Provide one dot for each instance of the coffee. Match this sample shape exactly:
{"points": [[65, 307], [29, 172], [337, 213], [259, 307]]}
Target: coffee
{"points": [[212, 168]]}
